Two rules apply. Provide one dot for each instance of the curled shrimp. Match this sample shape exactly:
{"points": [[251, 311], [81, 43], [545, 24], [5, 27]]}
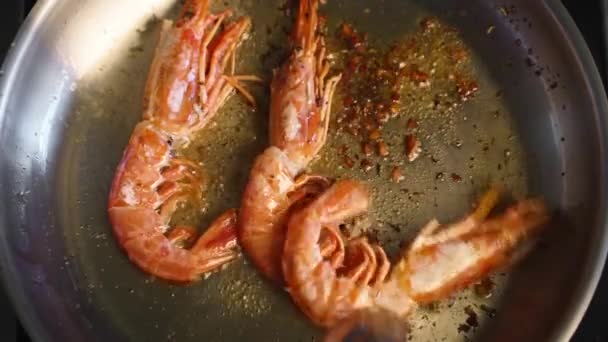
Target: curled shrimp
{"points": [[299, 118], [329, 287], [354, 276], [185, 88]]}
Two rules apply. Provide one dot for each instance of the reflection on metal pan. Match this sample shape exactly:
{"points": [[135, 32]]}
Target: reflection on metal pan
{"points": [[71, 93]]}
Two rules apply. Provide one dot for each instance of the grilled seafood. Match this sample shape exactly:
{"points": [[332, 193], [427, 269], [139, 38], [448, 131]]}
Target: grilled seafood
{"points": [[444, 259], [186, 86], [329, 287], [299, 118]]}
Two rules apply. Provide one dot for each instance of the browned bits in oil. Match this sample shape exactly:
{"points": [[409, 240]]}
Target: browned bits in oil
{"points": [[348, 34], [383, 149], [353, 131], [367, 149], [380, 83], [464, 328], [374, 134], [348, 101], [428, 24], [413, 147], [459, 54], [322, 22], [396, 175], [411, 124], [418, 76], [484, 288], [394, 109], [348, 162], [369, 125], [456, 178], [395, 97], [467, 89], [472, 320], [366, 165], [347, 31]]}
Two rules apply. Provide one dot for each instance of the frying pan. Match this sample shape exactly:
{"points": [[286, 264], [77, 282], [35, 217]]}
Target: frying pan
{"points": [[70, 95]]}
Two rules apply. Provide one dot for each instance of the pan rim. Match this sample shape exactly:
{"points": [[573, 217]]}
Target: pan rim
{"points": [[596, 259], [10, 67], [594, 262]]}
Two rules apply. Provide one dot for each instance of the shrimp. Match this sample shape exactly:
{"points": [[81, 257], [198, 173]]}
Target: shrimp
{"points": [[329, 288], [185, 88], [299, 118], [444, 259]]}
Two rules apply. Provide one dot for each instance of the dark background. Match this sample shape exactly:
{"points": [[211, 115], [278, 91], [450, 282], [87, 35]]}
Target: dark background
{"points": [[590, 19]]}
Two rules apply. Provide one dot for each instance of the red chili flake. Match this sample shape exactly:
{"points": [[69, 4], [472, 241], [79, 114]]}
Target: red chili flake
{"points": [[359, 47], [348, 101], [347, 32], [369, 124], [394, 109], [396, 174], [456, 178], [354, 63], [367, 149], [466, 89], [375, 134], [383, 149], [383, 115], [459, 54], [366, 165], [413, 147], [411, 124], [348, 162], [418, 76]]}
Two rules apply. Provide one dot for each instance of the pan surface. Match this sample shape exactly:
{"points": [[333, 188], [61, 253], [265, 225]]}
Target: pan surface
{"points": [[72, 91]]}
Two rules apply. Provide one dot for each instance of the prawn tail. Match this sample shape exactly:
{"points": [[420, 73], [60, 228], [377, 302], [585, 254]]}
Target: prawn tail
{"points": [[218, 245]]}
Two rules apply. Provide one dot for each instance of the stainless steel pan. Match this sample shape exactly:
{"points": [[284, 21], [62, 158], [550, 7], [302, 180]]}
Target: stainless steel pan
{"points": [[70, 94]]}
